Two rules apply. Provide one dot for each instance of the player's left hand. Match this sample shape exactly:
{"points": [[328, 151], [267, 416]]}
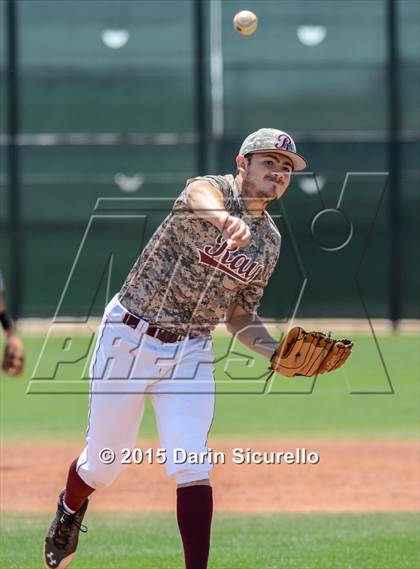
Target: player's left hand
{"points": [[309, 353], [14, 356]]}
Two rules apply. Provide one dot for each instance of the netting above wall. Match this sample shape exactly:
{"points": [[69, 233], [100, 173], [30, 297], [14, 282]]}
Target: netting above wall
{"points": [[108, 110]]}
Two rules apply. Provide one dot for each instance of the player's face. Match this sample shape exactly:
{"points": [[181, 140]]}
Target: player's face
{"points": [[266, 176]]}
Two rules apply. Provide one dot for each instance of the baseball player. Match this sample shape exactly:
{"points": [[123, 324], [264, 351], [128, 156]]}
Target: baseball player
{"points": [[14, 355], [209, 260]]}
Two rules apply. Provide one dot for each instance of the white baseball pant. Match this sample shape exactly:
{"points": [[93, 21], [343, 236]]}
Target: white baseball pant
{"points": [[128, 365]]}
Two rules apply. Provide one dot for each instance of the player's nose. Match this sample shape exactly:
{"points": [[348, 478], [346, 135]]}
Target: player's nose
{"points": [[279, 176]]}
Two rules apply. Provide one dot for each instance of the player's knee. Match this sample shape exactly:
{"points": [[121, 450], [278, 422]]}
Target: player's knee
{"points": [[98, 478], [204, 482], [192, 478]]}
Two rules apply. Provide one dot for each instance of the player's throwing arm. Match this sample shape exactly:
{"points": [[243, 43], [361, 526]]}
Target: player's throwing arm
{"points": [[207, 202]]}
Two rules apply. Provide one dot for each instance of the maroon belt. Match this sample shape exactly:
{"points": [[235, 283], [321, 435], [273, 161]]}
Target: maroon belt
{"points": [[154, 331]]}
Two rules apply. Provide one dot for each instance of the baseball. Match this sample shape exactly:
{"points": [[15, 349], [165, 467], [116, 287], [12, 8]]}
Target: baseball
{"points": [[245, 22]]}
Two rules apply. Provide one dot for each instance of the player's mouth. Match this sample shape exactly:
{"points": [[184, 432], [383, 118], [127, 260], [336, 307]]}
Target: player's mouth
{"points": [[273, 180], [274, 183]]}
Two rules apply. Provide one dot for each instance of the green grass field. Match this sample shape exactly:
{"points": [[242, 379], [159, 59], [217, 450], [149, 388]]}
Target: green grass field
{"points": [[327, 409], [266, 541], [353, 402]]}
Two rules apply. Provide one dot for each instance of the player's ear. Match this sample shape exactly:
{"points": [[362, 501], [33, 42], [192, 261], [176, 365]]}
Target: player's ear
{"points": [[241, 163]]}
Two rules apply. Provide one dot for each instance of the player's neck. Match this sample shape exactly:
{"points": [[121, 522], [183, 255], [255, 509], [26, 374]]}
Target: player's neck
{"points": [[255, 207]]}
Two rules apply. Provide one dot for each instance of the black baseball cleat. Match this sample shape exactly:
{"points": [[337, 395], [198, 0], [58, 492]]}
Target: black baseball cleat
{"points": [[63, 535]]}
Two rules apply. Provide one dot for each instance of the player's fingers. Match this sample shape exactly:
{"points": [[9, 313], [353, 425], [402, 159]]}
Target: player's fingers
{"points": [[245, 230], [232, 225], [228, 235], [240, 229], [239, 233], [246, 240], [242, 237], [236, 232]]}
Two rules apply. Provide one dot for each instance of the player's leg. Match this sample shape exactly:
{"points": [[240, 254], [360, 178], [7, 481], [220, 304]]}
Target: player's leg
{"points": [[184, 404], [122, 365], [194, 515], [115, 411], [88, 473]]}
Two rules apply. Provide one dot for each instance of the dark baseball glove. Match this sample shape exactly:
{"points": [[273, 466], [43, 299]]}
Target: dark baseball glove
{"points": [[14, 357], [309, 353]]}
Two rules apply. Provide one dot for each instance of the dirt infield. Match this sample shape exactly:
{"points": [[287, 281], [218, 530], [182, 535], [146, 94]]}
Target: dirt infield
{"points": [[351, 476]]}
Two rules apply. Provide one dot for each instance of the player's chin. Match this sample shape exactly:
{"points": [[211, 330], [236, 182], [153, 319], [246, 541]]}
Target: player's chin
{"points": [[280, 189], [269, 188], [274, 191]]}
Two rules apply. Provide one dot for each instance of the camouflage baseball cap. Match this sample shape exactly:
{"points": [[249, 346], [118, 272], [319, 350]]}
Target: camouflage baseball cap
{"points": [[274, 140]]}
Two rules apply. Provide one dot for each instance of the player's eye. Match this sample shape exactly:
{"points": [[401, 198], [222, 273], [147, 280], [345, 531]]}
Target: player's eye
{"points": [[269, 162]]}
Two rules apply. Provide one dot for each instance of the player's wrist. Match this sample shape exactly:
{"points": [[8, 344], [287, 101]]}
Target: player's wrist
{"points": [[220, 219]]}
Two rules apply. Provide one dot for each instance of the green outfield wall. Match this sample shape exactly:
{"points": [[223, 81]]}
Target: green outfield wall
{"points": [[95, 119]]}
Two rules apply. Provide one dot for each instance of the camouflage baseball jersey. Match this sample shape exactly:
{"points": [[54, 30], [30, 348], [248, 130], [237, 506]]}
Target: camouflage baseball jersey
{"points": [[186, 278]]}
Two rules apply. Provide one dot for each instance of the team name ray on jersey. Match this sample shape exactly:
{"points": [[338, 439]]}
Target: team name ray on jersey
{"points": [[238, 266]]}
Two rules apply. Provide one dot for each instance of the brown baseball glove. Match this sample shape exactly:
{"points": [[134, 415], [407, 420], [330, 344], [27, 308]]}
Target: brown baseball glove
{"points": [[14, 357], [309, 353]]}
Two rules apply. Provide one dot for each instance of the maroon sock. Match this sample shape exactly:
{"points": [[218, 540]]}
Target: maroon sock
{"points": [[194, 513], [76, 490]]}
